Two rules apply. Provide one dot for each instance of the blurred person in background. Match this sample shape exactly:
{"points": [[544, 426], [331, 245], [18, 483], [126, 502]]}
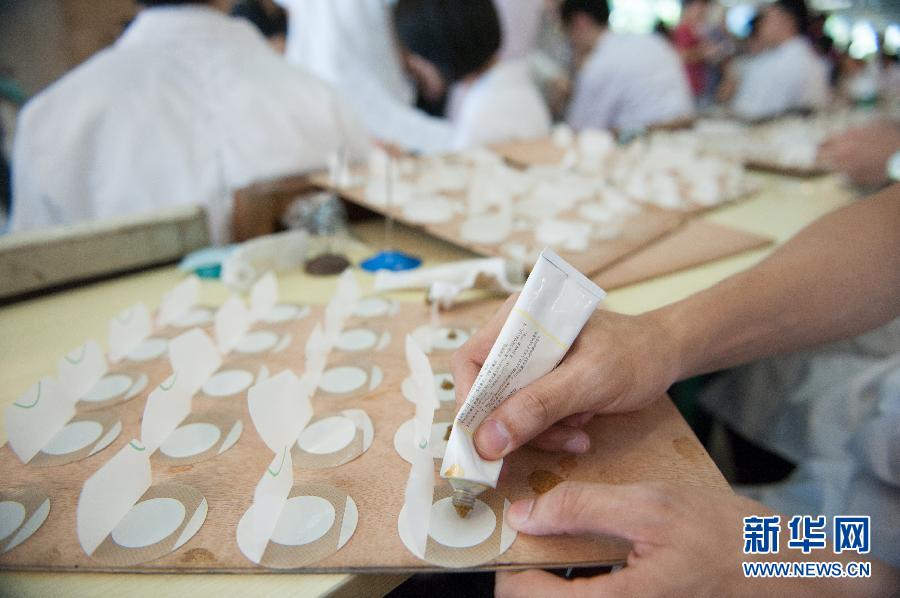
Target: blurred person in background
{"points": [[623, 81], [352, 45], [187, 106], [788, 74], [688, 39], [499, 99], [269, 18], [733, 70]]}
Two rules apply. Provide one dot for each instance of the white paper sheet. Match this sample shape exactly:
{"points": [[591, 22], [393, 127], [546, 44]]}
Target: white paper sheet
{"points": [[279, 407], [110, 493], [426, 397], [166, 407], [178, 301], [232, 322], [36, 416], [418, 496], [127, 330], [80, 369], [256, 527], [316, 353], [194, 358], [263, 296]]}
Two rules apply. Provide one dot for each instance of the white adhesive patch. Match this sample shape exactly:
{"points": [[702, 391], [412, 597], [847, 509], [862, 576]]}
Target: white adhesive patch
{"points": [[227, 383], [109, 387], [33, 524], [232, 437], [256, 342], [447, 528], [348, 524], [372, 307], [197, 316], [193, 525], [429, 210], [149, 522], [74, 437], [448, 339], [108, 438], [444, 394], [285, 312], [484, 230], [357, 339], [12, 514], [404, 437], [303, 519], [190, 439], [328, 435], [151, 348], [137, 387], [343, 379]]}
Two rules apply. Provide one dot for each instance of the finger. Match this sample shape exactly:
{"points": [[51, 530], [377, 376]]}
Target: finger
{"points": [[540, 583], [467, 360], [636, 512], [526, 414], [529, 583], [560, 438], [577, 420]]}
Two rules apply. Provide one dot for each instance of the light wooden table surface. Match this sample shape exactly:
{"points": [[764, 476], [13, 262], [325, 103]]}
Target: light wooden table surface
{"points": [[35, 333]]}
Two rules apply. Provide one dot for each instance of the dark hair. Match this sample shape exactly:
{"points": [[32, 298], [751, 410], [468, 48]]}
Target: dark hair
{"points": [[598, 10], [688, 2], [798, 11], [459, 36]]}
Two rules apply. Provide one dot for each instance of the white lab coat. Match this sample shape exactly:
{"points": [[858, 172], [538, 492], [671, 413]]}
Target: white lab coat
{"points": [[351, 45], [503, 104], [780, 79], [630, 81], [834, 411], [520, 24], [188, 105]]}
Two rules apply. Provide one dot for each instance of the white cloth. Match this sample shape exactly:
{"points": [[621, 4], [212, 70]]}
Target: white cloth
{"points": [[780, 79], [187, 106], [328, 37], [520, 23], [835, 412], [351, 44], [501, 105], [630, 81]]}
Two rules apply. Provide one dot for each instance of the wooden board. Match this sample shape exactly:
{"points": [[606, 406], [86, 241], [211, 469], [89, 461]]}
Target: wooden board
{"points": [[653, 444], [695, 244], [531, 152], [642, 229]]}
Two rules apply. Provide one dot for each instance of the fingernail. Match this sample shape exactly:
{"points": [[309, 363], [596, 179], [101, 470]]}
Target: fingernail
{"points": [[578, 443], [519, 512], [492, 438]]}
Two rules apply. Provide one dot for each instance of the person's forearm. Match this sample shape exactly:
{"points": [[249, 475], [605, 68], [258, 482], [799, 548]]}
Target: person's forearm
{"points": [[837, 278]]}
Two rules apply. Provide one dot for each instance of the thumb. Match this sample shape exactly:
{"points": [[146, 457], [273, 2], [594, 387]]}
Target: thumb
{"points": [[525, 415], [631, 512]]}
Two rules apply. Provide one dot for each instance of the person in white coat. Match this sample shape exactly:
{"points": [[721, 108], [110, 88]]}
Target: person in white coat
{"points": [[351, 45], [624, 81], [787, 75], [188, 105], [499, 100]]}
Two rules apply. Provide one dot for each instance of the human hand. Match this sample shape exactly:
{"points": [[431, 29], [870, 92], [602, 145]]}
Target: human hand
{"points": [[618, 363], [685, 542], [862, 154]]}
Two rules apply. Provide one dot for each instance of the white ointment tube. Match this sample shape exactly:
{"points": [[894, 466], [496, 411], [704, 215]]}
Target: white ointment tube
{"points": [[553, 307]]}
